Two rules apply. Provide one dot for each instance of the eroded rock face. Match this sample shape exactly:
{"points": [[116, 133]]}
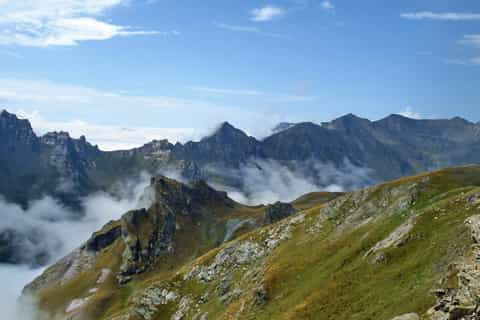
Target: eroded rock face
{"points": [[474, 224], [147, 234], [101, 240], [462, 302]]}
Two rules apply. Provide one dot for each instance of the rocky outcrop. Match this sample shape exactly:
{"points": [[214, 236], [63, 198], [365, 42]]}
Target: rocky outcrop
{"points": [[463, 300], [278, 211], [396, 239], [67, 268], [147, 235], [101, 240]]}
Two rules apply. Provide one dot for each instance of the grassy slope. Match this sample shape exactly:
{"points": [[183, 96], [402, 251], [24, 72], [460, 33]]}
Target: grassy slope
{"points": [[193, 239], [321, 274]]}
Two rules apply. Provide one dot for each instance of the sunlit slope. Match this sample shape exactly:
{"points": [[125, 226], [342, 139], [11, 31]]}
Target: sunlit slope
{"points": [[183, 223], [405, 248]]}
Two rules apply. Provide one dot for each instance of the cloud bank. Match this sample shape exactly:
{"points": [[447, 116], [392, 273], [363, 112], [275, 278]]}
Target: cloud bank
{"points": [[108, 137], [268, 181], [48, 231]]}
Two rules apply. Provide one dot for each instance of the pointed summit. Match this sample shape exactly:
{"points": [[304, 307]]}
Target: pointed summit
{"points": [[15, 130], [227, 144], [347, 122], [228, 134], [226, 130]]}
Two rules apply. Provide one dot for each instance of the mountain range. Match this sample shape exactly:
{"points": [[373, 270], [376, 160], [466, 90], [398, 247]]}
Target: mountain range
{"points": [[347, 153], [57, 165]]}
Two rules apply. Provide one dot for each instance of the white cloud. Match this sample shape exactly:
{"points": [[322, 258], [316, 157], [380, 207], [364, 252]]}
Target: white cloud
{"points": [[266, 13], [447, 16], [474, 61], [60, 22], [107, 137], [270, 181], [409, 113], [327, 5], [247, 29], [39, 92]]}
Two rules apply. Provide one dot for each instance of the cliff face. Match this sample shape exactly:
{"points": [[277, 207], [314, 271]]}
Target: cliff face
{"points": [[401, 250]]}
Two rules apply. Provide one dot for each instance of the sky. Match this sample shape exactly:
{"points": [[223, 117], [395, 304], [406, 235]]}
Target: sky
{"points": [[123, 72]]}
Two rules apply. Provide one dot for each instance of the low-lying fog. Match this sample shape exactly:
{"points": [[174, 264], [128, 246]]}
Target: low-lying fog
{"points": [[57, 234]]}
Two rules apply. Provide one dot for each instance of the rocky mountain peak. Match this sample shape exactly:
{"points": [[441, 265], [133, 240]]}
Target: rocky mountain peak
{"points": [[187, 198], [14, 129], [55, 138], [397, 118], [347, 122], [227, 132]]}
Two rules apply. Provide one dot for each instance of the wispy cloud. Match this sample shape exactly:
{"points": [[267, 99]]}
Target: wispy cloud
{"points": [[30, 92], [61, 22], [298, 98], [247, 29], [474, 61], [267, 13], [409, 113], [471, 39], [445, 16], [327, 5], [268, 95]]}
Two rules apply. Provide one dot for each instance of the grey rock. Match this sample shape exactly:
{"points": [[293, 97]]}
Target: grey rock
{"points": [[408, 316]]}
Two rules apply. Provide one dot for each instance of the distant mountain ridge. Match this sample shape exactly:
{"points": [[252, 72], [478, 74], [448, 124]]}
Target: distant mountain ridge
{"points": [[67, 168]]}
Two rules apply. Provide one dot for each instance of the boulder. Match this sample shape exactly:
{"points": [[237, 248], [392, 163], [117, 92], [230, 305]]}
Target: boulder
{"points": [[407, 316]]}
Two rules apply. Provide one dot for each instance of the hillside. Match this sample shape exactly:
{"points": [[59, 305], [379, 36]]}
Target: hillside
{"points": [[406, 248]]}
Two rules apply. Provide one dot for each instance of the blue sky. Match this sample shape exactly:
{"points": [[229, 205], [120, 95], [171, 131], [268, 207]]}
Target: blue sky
{"points": [[127, 71]]}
